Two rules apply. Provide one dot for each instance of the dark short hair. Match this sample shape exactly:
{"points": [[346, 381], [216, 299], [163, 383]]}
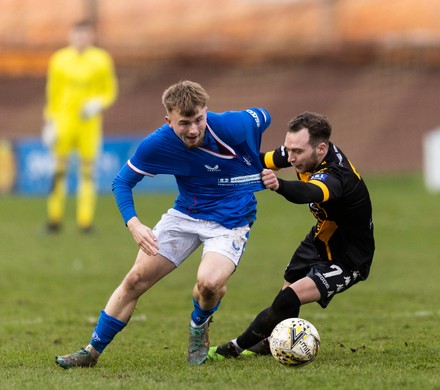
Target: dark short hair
{"points": [[318, 126]]}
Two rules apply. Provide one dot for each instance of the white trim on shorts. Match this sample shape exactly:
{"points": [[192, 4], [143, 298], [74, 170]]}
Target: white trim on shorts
{"points": [[179, 235]]}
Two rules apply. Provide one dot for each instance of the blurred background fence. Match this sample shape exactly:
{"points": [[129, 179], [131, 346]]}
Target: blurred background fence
{"points": [[371, 66]]}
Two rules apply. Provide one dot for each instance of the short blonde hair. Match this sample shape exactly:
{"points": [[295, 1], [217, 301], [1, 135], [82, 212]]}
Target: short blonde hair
{"points": [[184, 96]]}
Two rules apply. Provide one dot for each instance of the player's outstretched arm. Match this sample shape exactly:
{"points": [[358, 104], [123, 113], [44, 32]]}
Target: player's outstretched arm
{"points": [[275, 159], [269, 179]]}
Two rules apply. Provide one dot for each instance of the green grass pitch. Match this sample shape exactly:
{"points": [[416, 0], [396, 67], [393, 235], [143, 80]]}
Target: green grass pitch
{"points": [[382, 334]]}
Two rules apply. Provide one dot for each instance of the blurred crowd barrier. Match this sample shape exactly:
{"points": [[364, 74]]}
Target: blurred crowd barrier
{"points": [[27, 168]]}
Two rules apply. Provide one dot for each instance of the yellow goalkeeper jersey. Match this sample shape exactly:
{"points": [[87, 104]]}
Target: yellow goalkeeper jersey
{"points": [[74, 78]]}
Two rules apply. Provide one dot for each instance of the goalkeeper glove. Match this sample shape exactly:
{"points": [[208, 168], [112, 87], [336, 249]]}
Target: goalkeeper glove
{"points": [[91, 108], [49, 134]]}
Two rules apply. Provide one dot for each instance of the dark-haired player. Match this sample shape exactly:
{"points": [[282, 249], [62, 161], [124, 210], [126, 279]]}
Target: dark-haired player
{"points": [[337, 252]]}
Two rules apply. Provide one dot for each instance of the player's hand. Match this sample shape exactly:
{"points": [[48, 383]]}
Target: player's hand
{"points": [[49, 134], [91, 108], [143, 236], [269, 179]]}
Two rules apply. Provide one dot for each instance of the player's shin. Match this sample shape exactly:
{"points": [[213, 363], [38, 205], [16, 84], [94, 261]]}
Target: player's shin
{"points": [[285, 305], [105, 330], [57, 198], [199, 316], [86, 199]]}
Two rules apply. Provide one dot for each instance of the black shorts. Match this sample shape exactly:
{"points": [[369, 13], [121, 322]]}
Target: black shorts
{"points": [[331, 277]]}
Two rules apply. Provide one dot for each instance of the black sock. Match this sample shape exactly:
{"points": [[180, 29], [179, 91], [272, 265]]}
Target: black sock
{"points": [[286, 305]]}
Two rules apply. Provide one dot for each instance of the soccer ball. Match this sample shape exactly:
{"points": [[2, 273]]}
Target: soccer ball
{"points": [[294, 342]]}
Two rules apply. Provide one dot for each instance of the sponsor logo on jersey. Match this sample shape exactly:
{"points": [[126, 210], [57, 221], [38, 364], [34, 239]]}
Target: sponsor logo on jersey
{"points": [[319, 176], [247, 178], [215, 168], [338, 155], [255, 116], [240, 179]]}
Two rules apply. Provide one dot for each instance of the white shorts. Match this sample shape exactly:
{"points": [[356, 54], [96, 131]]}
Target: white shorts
{"points": [[179, 235]]}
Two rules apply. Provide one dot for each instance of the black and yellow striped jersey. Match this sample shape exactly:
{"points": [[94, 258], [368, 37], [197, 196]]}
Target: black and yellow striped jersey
{"points": [[339, 200]]}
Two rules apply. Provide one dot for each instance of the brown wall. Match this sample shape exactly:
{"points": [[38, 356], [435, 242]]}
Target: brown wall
{"points": [[237, 29]]}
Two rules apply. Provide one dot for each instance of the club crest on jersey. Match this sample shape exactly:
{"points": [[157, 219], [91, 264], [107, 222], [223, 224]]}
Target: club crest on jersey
{"points": [[215, 168], [247, 160]]}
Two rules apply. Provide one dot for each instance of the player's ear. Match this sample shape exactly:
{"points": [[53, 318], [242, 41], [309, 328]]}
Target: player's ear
{"points": [[322, 148], [168, 120]]}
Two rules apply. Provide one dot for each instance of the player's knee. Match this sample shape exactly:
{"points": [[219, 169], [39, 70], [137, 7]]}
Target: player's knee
{"points": [[134, 284], [86, 172], [286, 304], [57, 181], [209, 289], [60, 174]]}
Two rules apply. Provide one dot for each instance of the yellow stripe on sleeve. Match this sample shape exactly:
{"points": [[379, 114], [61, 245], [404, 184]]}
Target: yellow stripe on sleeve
{"points": [[323, 187], [354, 170], [268, 160]]}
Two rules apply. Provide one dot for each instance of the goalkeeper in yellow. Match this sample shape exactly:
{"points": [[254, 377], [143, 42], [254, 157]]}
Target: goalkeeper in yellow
{"points": [[81, 83]]}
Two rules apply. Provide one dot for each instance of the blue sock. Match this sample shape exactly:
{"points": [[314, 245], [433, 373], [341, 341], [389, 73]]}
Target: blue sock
{"points": [[106, 328], [199, 315]]}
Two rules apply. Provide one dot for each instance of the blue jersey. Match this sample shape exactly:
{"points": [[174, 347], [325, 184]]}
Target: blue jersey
{"points": [[216, 181]]}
